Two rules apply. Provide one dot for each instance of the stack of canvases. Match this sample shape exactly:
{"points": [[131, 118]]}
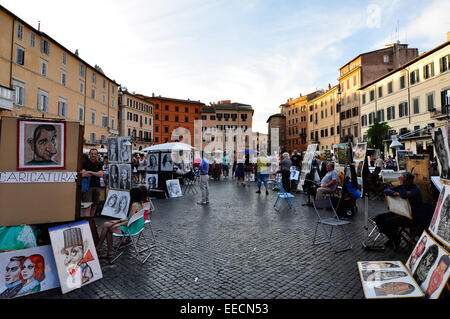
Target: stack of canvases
{"points": [[118, 199], [43, 171], [429, 262]]}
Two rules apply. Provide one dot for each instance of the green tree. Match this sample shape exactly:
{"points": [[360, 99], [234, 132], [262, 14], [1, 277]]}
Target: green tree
{"points": [[376, 134]]}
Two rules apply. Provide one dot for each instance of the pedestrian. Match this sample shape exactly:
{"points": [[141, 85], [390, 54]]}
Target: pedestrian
{"points": [[134, 166], [204, 168], [225, 165], [286, 164], [379, 162], [262, 165], [142, 163], [248, 168], [94, 170]]}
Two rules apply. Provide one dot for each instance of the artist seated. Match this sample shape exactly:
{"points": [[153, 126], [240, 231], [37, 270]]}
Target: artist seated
{"points": [[329, 182], [389, 223]]}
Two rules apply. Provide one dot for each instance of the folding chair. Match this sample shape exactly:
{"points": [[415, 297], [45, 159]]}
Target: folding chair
{"points": [[332, 221], [283, 195], [134, 239], [149, 209], [189, 182]]}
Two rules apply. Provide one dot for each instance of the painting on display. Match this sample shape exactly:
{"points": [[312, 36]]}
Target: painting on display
{"points": [[153, 162], [116, 204], [152, 181], [75, 255], [399, 206], [166, 162], [27, 271], [294, 173], [340, 153], [41, 145], [441, 140], [306, 164], [387, 279], [390, 177], [120, 176], [429, 264], [440, 223], [113, 150], [124, 149], [360, 152], [173, 188], [401, 159]]}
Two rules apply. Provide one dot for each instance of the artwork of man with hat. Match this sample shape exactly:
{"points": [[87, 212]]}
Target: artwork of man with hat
{"points": [[76, 257]]}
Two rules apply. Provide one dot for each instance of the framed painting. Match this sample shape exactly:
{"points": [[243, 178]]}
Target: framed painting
{"points": [[399, 206], [430, 265], [359, 152], [387, 279], [173, 188], [440, 223], [401, 159], [27, 271], [116, 204], [152, 162], [41, 145], [441, 140], [152, 181], [75, 255]]}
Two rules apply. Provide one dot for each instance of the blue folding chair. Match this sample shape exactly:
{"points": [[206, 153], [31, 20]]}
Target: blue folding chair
{"points": [[282, 194]]}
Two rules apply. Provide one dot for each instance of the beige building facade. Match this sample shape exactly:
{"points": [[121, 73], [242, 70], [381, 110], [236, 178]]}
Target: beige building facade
{"points": [[410, 98], [323, 119], [40, 78]]}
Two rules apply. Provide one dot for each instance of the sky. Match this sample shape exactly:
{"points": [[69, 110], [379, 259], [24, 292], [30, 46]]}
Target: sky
{"points": [[257, 52]]}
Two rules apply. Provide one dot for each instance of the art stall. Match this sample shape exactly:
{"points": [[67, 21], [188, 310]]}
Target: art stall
{"points": [[426, 272], [165, 163], [40, 195], [306, 164]]}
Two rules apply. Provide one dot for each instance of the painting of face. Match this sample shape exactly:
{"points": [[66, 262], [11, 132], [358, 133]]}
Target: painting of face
{"points": [[438, 275], [28, 270], [396, 288], [425, 264], [41, 145], [440, 224], [112, 149], [73, 255], [117, 204], [442, 151], [12, 272]]}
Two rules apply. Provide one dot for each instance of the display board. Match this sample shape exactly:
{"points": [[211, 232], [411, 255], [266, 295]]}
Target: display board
{"points": [[399, 206], [306, 164], [419, 166], [387, 279], [441, 138], [401, 159], [52, 201], [440, 223]]}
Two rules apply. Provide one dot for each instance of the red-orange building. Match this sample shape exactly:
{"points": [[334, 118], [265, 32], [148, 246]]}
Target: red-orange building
{"points": [[170, 114]]}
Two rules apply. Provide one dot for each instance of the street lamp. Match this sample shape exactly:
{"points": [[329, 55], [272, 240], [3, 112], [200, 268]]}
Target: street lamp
{"points": [[339, 110]]}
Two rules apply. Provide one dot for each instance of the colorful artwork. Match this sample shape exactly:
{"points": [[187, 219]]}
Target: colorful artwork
{"points": [[429, 264], [440, 223], [116, 204], [360, 152], [75, 255], [341, 174], [41, 145], [340, 152], [390, 177], [387, 279], [442, 145], [27, 271]]}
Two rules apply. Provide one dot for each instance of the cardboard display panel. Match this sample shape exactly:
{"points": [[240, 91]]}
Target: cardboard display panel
{"points": [[28, 203]]}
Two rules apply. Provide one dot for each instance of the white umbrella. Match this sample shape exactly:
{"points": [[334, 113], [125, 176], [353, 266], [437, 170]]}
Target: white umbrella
{"points": [[176, 146]]}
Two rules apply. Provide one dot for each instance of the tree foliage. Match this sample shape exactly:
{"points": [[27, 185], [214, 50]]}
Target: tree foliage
{"points": [[376, 134]]}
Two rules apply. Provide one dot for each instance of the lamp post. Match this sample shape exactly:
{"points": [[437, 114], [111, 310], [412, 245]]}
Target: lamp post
{"points": [[339, 111]]}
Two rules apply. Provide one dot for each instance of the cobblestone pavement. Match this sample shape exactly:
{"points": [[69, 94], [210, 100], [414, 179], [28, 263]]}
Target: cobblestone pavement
{"points": [[237, 247]]}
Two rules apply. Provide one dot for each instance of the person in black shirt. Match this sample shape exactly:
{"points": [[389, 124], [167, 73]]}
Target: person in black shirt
{"points": [[296, 159], [94, 170]]}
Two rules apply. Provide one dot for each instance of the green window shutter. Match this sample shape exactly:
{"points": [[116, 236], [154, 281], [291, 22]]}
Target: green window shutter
{"points": [[432, 69], [441, 64], [425, 75]]}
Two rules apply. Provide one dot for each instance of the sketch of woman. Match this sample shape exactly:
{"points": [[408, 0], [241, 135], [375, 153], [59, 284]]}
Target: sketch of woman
{"points": [[114, 177], [167, 162], [152, 163], [112, 150], [442, 153], [380, 275], [112, 201], [125, 178], [32, 274], [124, 151], [122, 207], [444, 221], [417, 252]]}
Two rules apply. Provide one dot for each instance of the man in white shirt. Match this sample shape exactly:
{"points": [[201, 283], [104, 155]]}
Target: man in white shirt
{"points": [[329, 182]]}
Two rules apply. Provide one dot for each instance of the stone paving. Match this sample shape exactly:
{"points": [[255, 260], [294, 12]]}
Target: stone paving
{"points": [[236, 247]]}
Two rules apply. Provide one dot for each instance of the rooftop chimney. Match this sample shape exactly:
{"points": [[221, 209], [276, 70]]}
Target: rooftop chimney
{"points": [[39, 26]]}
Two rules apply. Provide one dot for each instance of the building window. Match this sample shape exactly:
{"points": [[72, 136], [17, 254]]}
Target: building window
{"points": [[167, 107], [64, 58], [93, 93], [430, 101], [104, 83], [19, 94], [45, 47], [32, 39], [380, 92], [416, 106], [372, 95], [390, 87], [444, 63], [186, 119], [82, 71], [82, 87], [104, 121], [380, 116], [113, 104], [166, 129], [43, 101], [403, 109], [80, 113], [414, 77], [94, 77], [63, 78], [428, 70], [390, 113], [44, 67], [402, 82], [93, 117], [20, 55], [363, 120], [92, 138], [166, 117], [364, 98], [386, 58], [104, 98], [62, 108], [19, 31]]}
